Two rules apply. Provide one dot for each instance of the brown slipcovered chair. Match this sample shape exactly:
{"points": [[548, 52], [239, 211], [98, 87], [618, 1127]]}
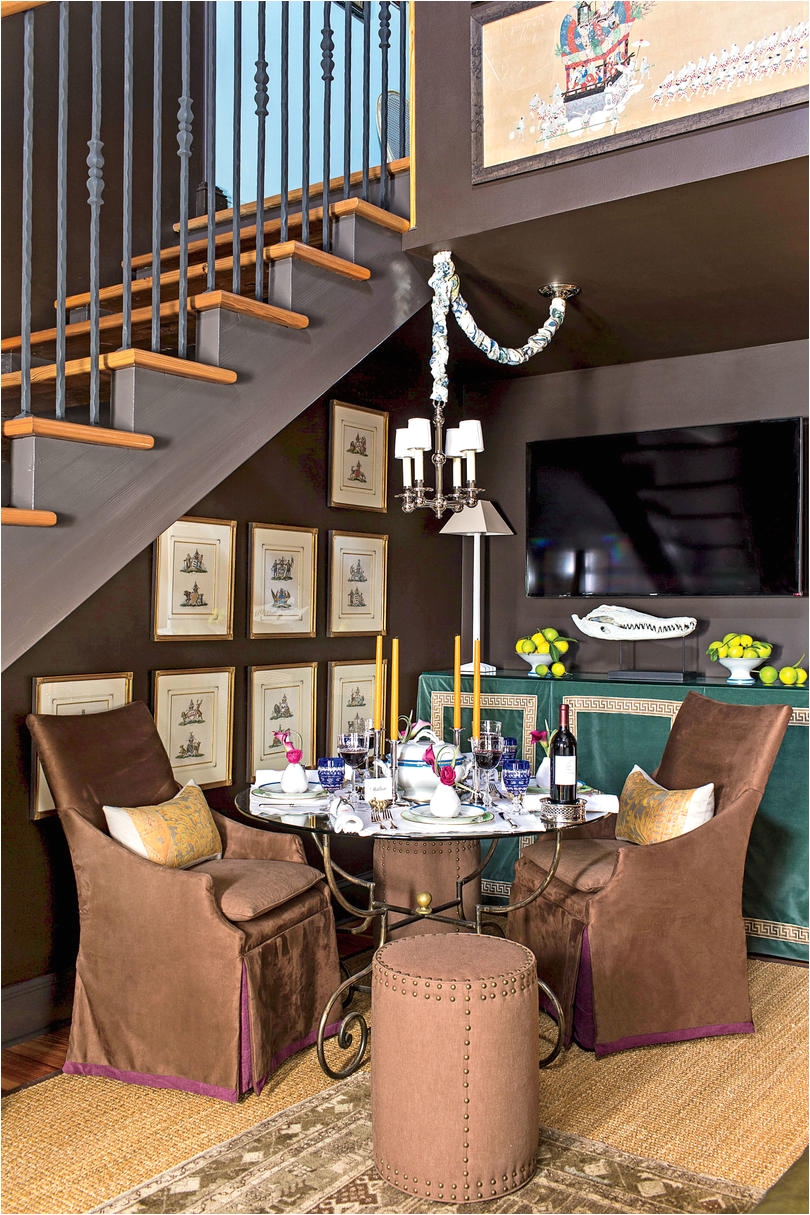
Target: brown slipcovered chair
{"points": [[645, 943], [202, 979]]}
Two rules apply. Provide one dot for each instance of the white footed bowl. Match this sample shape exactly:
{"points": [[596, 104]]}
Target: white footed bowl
{"points": [[740, 669], [537, 660]]}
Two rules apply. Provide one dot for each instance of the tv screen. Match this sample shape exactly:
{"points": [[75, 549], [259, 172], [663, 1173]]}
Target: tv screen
{"points": [[698, 510]]}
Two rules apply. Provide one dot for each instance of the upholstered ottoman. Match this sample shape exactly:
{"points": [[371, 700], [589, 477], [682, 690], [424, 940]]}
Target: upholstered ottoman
{"points": [[405, 868], [454, 1074]]}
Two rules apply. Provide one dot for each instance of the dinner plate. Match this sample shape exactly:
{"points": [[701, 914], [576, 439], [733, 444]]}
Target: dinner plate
{"points": [[423, 814], [276, 794]]}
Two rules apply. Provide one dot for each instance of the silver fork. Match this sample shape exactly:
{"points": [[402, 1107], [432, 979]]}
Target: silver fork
{"points": [[382, 815]]}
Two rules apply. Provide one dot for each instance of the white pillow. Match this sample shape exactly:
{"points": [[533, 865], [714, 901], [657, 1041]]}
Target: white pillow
{"points": [[649, 813]]}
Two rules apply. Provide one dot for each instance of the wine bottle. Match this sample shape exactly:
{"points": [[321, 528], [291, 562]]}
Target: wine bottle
{"points": [[563, 757]]}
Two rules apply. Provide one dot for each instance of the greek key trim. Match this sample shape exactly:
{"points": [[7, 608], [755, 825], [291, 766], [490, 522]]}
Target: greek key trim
{"points": [[772, 930], [439, 701]]}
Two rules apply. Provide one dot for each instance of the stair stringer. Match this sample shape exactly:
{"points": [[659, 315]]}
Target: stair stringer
{"points": [[112, 503]]}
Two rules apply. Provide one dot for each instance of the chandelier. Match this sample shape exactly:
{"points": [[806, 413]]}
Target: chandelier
{"points": [[465, 441]]}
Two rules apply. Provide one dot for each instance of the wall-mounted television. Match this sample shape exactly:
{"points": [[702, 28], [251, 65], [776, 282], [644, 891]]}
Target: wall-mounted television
{"points": [[697, 510]]}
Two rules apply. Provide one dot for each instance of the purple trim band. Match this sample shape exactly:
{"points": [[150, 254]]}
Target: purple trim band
{"points": [[178, 1082], [293, 1048], [245, 1052], [584, 1027], [674, 1035]]}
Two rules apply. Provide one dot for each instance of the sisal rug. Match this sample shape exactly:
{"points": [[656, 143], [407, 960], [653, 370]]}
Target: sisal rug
{"points": [[733, 1108], [318, 1157]]}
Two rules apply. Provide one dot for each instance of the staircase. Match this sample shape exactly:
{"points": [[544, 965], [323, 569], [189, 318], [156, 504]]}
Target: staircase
{"points": [[84, 499]]}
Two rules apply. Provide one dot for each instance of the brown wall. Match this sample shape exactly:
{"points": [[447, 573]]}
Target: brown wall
{"points": [[730, 386], [284, 483]]}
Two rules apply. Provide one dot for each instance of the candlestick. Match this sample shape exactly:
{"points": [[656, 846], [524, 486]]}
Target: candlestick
{"points": [[394, 687], [457, 684], [476, 711], [378, 684]]}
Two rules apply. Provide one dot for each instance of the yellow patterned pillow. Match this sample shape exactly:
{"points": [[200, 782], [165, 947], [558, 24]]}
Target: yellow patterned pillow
{"points": [[649, 813], [178, 833]]}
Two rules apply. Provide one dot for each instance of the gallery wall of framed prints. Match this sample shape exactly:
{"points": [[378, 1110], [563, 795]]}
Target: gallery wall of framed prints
{"points": [[281, 698]]}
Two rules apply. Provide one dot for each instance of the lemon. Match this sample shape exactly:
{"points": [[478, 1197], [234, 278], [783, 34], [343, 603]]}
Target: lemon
{"points": [[762, 648], [562, 645], [541, 670], [557, 670], [787, 676], [735, 651], [538, 637], [729, 637], [750, 652], [524, 645], [801, 675], [744, 639], [550, 634], [542, 646], [723, 652], [769, 675]]}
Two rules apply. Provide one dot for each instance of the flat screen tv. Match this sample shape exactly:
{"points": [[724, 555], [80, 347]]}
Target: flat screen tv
{"points": [[698, 510]]}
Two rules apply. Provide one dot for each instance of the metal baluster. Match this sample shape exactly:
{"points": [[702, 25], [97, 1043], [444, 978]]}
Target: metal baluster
{"points": [[347, 98], [261, 77], [285, 120], [305, 130], [95, 187], [327, 75], [61, 210], [210, 140], [366, 95], [385, 42], [184, 141], [236, 203], [27, 212], [126, 186], [404, 11], [157, 156]]}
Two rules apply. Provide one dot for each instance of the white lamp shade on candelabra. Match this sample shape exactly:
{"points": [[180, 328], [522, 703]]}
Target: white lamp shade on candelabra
{"points": [[403, 452], [471, 440], [454, 451], [477, 521]]}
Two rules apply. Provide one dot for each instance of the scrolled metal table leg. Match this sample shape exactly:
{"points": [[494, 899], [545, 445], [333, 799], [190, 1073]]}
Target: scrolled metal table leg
{"points": [[344, 1037], [558, 1045]]}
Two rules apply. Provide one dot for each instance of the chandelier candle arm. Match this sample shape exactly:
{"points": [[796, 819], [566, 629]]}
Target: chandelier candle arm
{"points": [[460, 442]]}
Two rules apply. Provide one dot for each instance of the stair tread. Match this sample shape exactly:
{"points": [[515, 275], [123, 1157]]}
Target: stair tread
{"points": [[20, 517], [75, 432], [116, 359], [222, 240]]}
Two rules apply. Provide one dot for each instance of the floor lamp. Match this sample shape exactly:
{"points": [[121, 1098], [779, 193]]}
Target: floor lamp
{"points": [[477, 521]]}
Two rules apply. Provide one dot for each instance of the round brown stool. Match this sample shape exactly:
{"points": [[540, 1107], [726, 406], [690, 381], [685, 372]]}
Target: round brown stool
{"points": [[405, 868], [454, 1075]]}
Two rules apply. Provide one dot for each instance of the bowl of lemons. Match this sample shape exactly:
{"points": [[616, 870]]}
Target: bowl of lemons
{"points": [[739, 653], [544, 651]]}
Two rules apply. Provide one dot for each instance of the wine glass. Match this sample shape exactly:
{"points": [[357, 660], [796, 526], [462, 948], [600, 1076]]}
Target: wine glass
{"points": [[509, 748], [353, 749], [331, 772], [516, 779], [487, 751]]}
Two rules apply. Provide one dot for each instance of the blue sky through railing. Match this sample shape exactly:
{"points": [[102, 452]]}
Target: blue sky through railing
{"points": [[225, 91]]}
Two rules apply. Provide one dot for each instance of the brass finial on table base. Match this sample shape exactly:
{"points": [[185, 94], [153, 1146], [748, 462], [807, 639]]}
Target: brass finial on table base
{"points": [[423, 901]]}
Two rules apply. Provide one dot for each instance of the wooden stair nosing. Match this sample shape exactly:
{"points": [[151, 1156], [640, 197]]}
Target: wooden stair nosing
{"points": [[9, 7], [395, 167], [76, 432], [317, 257], [376, 215], [250, 307], [118, 359], [18, 516]]}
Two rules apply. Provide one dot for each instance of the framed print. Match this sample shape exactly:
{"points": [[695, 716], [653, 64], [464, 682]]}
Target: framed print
{"points": [[357, 583], [283, 564], [359, 457], [194, 718], [281, 698], [556, 81], [194, 564], [351, 698], [73, 694]]}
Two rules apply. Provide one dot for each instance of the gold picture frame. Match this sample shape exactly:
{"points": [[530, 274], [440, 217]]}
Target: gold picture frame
{"points": [[283, 580], [281, 697], [351, 697], [358, 573], [193, 711], [72, 694], [194, 575], [358, 460]]}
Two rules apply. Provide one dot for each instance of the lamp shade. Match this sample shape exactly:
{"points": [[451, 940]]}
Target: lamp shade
{"points": [[479, 520], [419, 433], [402, 443], [471, 436], [452, 444]]}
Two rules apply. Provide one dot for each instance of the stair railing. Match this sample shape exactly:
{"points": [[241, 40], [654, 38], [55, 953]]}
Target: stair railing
{"points": [[94, 67]]}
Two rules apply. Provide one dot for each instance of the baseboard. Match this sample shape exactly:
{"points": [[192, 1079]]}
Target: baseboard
{"points": [[36, 1005]]}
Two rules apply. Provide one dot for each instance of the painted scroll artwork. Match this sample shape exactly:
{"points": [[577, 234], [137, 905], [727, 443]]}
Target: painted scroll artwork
{"points": [[624, 624], [554, 81]]}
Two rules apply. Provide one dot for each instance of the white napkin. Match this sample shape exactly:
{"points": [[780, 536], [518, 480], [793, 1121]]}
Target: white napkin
{"points": [[355, 820]]}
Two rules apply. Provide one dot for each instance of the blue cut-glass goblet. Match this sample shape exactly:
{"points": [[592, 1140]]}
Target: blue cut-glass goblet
{"points": [[509, 748], [516, 779], [331, 772]]}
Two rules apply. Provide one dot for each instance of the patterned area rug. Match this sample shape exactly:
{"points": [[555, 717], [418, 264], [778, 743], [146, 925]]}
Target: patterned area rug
{"points": [[317, 1157]]}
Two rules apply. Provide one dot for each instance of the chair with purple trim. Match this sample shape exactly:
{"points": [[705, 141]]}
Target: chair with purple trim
{"points": [[203, 978], [645, 942]]}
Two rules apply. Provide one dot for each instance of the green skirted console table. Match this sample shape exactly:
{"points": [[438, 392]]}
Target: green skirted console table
{"points": [[619, 724]]}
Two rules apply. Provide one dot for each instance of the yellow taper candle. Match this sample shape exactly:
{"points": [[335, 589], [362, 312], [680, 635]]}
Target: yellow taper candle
{"points": [[457, 684], [378, 684], [394, 688], [476, 712]]}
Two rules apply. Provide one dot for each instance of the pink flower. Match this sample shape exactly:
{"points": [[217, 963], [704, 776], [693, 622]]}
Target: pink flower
{"points": [[430, 758], [539, 736], [447, 775], [294, 755], [282, 736]]}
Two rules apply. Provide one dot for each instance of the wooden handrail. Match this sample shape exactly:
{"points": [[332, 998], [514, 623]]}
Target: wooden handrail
{"points": [[9, 7]]}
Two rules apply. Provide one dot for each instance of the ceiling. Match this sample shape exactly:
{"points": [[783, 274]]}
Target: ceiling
{"points": [[712, 265]]}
